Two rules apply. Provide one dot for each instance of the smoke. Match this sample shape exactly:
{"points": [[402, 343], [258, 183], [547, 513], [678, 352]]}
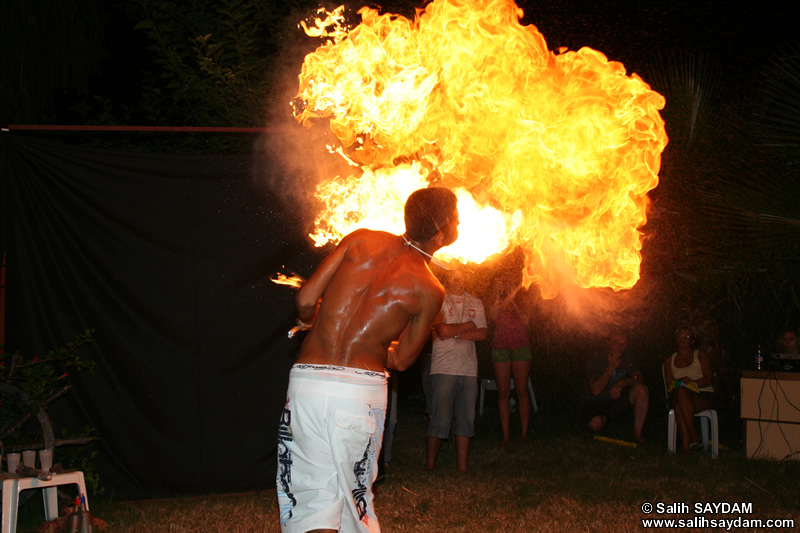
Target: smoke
{"points": [[574, 311], [598, 312], [292, 159]]}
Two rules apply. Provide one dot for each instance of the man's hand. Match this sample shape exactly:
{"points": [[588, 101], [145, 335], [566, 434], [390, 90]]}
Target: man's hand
{"points": [[616, 389], [301, 326], [613, 363], [451, 331]]}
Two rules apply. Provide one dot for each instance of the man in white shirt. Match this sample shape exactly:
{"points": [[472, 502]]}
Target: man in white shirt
{"points": [[454, 370]]}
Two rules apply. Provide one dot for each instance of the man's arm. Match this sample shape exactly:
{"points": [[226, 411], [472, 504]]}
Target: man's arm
{"points": [[598, 384], [448, 331], [471, 330], [633, 377], [403, 353], [668, 371], [474, 334], [308, 297], [628, 381]]}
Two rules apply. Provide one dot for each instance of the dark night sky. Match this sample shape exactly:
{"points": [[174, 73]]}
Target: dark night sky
{"points": [[630, 31], [635, 32]]}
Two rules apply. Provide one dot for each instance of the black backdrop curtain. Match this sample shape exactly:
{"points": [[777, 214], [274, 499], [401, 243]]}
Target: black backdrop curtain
{"points": [[168, 259]]}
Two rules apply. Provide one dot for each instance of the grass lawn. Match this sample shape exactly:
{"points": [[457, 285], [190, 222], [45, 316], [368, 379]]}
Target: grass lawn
{"points": [[561, 479]]}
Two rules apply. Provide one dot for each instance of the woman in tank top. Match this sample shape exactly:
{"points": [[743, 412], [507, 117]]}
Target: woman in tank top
{"points": [[689, 380]]}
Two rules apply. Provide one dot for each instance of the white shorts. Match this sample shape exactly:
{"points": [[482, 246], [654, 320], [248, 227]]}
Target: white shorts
{"points": [[329, 440]]}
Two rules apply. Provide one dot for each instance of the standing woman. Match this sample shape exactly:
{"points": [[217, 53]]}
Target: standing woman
{"points": [[689, 380], [511, 354]]}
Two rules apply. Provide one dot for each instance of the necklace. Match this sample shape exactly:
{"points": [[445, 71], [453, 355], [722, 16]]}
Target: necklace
{"points": [[411, 244], [435, 261]]}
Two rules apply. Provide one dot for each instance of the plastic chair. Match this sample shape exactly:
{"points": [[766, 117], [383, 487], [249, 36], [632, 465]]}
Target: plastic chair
{"points": [[490, 384], [707, 418], [13, 485]]}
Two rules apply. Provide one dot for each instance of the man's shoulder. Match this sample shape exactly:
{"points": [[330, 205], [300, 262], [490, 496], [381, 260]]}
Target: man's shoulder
{"points": [[370, 235], [388, 250], [366, 245]]}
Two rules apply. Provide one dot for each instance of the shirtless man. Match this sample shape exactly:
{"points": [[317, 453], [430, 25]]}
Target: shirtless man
{"points": [[371, 304]]}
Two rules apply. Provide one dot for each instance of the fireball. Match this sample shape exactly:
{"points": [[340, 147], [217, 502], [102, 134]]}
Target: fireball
{"points": [[550, 152]]}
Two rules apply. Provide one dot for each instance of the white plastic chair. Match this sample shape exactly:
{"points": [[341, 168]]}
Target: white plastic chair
{"points": [[707, 418], [13, 485], [490, 384]]}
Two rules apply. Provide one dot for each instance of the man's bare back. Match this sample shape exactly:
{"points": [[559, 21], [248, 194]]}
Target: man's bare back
{"points": [[369, 305], [375, 289]]}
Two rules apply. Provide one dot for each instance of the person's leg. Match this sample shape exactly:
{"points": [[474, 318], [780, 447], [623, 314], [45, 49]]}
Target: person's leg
{"points": [[640, 399], [443, 391], [684, 417], [502, 375], [521, 371], [595, 415], [462, 452], [306, 467], [432, 451], [597, 423], [464, 413], [699, 403]]}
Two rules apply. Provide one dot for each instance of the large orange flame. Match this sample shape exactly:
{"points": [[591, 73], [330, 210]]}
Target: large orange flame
{"points": [[554, 153]]}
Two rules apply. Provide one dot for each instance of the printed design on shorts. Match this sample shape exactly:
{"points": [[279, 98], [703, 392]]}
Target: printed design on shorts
{"points": [[361, 470], [285, 463], [320, 367], [371, 373]]}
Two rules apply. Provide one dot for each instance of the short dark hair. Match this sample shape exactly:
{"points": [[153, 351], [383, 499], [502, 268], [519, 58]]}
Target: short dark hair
{"points": [[428, 211]]}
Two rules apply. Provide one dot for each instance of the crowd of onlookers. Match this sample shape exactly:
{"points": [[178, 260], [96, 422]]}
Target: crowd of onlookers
{"points": [[613, 387]]}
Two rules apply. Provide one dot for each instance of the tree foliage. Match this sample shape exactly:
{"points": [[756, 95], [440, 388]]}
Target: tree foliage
{"points": [[214, 61]]}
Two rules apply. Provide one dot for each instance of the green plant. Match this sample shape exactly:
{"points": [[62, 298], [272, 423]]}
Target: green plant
{"points": [[82, 457], [28, 386]]}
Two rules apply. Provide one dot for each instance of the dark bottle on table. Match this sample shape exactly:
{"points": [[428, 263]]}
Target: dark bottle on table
{"points": [[74, 518], [86, 517]]}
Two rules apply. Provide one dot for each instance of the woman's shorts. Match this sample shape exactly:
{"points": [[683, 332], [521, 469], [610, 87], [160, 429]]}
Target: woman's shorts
{"points": [[505, 356]]}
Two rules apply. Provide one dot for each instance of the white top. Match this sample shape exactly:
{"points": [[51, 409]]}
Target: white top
{"points": [[457, 357]]}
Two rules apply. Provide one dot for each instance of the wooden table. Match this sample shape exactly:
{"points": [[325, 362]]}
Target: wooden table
{"points": [[771, 414]]}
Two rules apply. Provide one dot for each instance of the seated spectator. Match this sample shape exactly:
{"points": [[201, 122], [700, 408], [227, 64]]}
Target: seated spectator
{"points": [[787, 342], [614, 388], [689, 380]]}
